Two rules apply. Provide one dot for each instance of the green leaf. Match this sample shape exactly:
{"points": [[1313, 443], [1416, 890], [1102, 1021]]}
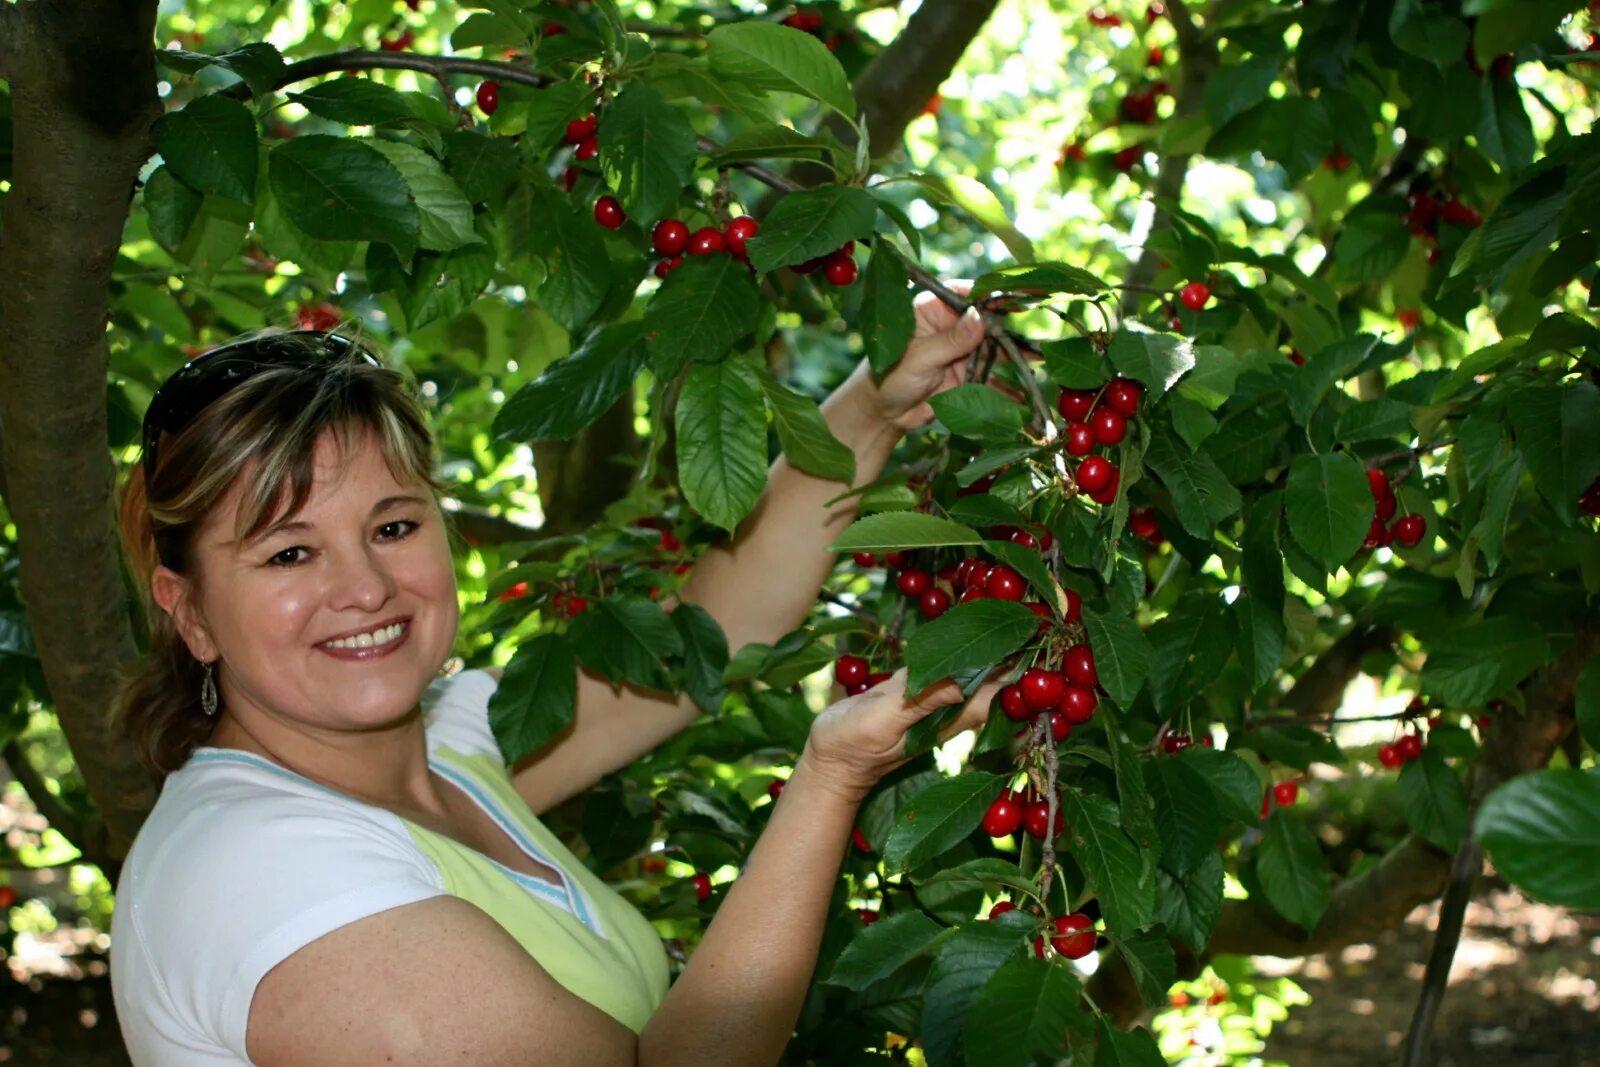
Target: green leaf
{"points": [[722, 441], [577, 269], [1023, 1012], [1201, 492], [979, 201], [1152, 962], [1501, 493], [705, 656], [1074, 363], [887, 318], [965, 962], [986, 873], [1433, 800], [969, 636], [574, 391], [1133, 1048], [1335, 362], [1556, 428], [1543, 832], [771, 141], [1374, 420], [445, 216], [1156, 360], [978, 412], [701, 309], [1296, 132], [1122, 653], [891, 530], [1371, 245], [811, 223], [1586, 702], [482, 166], [258, 65], [1234, 785], [884, 947], [1186, 816], [1038, 279], [636, 637], [807, 441], [1505, 133], [1117, 871], [939, 818], [1294, 874], [171, 207], [765, 55], [647, 152], [1189, 906], [1428, 34], [536, 697], [1329, 506], [1466, 667], [1233, 89], [211, 145], [339, 189], [1134, 805], [1211, 382], [355, 102], [444, 283], [1028, 563]]}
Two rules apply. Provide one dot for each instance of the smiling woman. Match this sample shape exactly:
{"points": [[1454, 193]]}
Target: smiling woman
{"points": [[333, 811]]}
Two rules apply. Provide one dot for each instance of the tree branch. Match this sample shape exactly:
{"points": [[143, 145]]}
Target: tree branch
{"points": [[83, 101], [1452, 913], [87, 833], [12, 25]]}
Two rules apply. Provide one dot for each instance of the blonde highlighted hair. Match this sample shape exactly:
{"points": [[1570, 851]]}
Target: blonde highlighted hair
{"points": [[266, 429]]}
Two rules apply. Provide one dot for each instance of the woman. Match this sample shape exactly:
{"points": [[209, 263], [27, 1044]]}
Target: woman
{"points": [[340, 868]]}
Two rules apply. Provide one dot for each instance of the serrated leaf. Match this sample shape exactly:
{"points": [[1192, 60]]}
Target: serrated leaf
{"points": [[1187, 818], [765, 55], [1294, 874], [170, 206], [978, 412], [444, 214], [577, 269], [1074, 363], [965, 962], [807, 441], [1202, 495], [574, 391], [211, 145], [976, 634], [1152, 963], [355, 102], [1122, 654], [887, 316], [722, 441], [1121, 878], [1023, 1012], [636, 637], [482, 166], [1433, 800], [1329, 506], [893, 530], [986, 872], [1132, 1048], [647, 151], [1335, 362], [811, 223], [938, 818], [701, 309], [536, 697], [1556, 428], [1543, 832], [1156, 360], [1468, 666], [1189, 906], [705, 656], [339, 189], [884, 947], [1236, 787], [1037, 279]]}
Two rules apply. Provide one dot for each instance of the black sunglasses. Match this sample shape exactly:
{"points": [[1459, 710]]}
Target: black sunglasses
{"points": [[209, 376]]}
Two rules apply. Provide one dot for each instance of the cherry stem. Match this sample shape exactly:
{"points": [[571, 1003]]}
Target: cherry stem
{"points": [[859, 612], [1047, 855], [1036, 398]]}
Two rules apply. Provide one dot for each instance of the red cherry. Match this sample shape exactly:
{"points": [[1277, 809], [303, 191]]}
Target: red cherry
{"points": [[516, 592], [1286, 793], [588, 149], [1079, 666], [488, 97], [1109, 426], [1023, 538], [1080, 439], [1000, 908], [576, 605], [1003, 817], [580, 130], [912, 582], [1073, 935], [569, 177], [855, 690], [1378, 483], [667, 266], [702, 886], [979, 574], [1589, 499], [1175, 741], [1074, 404], [1195, 295], [1409, 746], [1013, 704], [1386, 507], [1123, 395], [1389, 756], [865, 559], [706, 241], [1060, 726], [1127, 158], [1142, 521], [1377, 535], [399, 43], [859, 839], [877, 679], [1041, 689], [970, 593], [739, 231], [1044, 613], [1094, 474], [1078, 704], [1074, 606], [1409, 530], [608, 213], [897, 560], [840, 270], [669, 238], [552, 29], [317, 317], [1003, 583], [867, 916], [1108, 493], [851, 670], [933, 603], [775, 788], [1036, 819]]}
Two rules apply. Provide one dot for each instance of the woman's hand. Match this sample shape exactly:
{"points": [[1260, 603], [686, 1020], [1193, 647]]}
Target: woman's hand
{"points": [[857, 741], [933, 362]]}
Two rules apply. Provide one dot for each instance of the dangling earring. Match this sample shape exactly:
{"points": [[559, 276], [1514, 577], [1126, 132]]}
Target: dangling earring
{"points": [[208, 692]]}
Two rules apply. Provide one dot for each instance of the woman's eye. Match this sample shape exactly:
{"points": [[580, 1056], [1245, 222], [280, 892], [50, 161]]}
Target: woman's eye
{"points": [[399, 528], [287, 558]]}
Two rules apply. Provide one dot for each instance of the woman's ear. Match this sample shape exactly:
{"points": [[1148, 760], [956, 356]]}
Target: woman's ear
{"points": [[175, 595]]}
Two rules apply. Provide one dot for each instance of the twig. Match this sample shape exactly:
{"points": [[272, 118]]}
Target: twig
{"points": [[68, 823], [1036, 398], [1452, 911], [437, 66], [1047, 855], [1409, 453], [861, 613], [1325, 720]]}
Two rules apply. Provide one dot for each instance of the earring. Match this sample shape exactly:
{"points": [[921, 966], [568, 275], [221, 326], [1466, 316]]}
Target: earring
{"points": [[208, 692]]}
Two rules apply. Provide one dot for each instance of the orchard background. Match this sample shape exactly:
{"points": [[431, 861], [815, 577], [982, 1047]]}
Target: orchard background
{"points": [[1288, 415]]}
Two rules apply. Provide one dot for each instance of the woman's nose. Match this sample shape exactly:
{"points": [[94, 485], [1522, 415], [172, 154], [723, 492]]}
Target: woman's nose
{"points": [[361, 580]]}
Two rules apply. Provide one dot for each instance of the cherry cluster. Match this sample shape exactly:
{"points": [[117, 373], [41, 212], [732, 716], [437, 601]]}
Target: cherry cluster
{"points": [[1426, 212], [1407, 530], [856, 675], [838, 266], [811, 22], [1283, 794], [1098, 417], [671, 239], [1401, 752], [1027, 810], [1173, 741]]}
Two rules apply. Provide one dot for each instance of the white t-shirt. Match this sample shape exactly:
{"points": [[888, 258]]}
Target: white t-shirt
{"points": [[240, 864]]}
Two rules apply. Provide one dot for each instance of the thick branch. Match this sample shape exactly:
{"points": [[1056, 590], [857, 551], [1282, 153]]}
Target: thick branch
{"points": [[12, 26], [83, 101], [1318, 692]]}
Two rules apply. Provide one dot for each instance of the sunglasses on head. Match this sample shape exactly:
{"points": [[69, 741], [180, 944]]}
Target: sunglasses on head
{"points": [[209, 376]]}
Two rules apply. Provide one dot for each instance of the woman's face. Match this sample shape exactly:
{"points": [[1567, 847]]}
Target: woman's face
{"points": [[335, 618]]}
